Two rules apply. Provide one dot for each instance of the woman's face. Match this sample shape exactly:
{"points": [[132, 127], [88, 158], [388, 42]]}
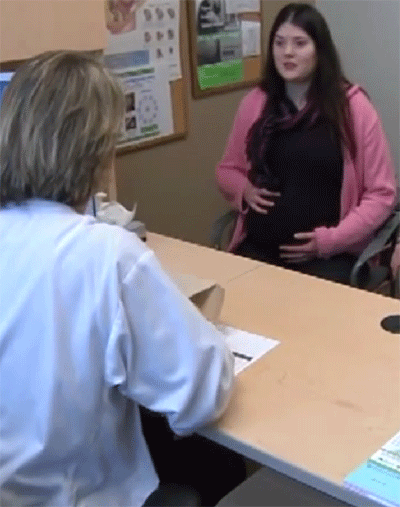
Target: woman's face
{"points": [[295, 54]]}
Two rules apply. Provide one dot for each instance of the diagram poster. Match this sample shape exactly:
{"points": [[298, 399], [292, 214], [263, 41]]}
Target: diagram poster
{"points": [[148, 104], [143, 32]]}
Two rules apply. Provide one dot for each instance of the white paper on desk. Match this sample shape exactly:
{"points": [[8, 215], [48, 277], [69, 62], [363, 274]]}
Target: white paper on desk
{"points": [[251, 38], [246, 347]]}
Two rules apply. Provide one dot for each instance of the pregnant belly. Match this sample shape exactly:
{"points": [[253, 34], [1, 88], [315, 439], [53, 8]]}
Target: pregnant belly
{"points": [[286, 218]]}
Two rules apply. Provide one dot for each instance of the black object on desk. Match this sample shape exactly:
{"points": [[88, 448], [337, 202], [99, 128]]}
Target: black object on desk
{"points": [[391, 324]]}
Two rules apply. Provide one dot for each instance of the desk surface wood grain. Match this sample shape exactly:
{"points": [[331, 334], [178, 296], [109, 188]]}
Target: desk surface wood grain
{"points": [[329, 395], [182, 257]]}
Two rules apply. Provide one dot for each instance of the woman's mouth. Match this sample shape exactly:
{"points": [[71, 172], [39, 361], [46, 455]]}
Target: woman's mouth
{"points": [[290, 65]]}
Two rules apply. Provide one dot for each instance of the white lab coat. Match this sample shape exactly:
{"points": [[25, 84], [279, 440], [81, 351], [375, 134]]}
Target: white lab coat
{"points": [[90, 326]]}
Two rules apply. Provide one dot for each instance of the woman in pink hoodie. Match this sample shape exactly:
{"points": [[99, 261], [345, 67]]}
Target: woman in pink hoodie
{"points": [[307, 163]]}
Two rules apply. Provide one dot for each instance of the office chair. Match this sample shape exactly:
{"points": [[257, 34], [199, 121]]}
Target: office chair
{"points": [[382, 244]]}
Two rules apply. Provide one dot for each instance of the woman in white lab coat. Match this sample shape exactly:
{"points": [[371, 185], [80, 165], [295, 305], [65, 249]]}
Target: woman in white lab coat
{"points": [[90, 325]]}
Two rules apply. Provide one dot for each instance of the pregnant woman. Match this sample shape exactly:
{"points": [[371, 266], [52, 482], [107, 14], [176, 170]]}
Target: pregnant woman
{"points": [[307, 163]]}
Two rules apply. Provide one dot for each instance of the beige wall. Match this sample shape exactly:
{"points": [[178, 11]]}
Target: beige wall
{"points": [[174, 184]]}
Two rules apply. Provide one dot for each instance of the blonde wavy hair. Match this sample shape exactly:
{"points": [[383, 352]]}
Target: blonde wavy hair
{"points": [[60, 119]]}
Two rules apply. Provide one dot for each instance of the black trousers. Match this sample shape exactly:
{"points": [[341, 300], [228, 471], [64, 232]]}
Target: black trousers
{"points": [[337, 268], [200, 465], [173, 495]]}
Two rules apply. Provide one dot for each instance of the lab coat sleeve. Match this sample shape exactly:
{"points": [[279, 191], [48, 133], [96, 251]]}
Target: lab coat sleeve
{"points": [[164, 354]]}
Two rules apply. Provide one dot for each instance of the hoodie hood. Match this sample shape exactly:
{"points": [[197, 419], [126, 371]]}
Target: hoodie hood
{"points": [[355, 89]]}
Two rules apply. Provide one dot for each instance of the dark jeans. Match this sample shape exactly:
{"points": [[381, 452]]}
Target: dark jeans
{"points": [[337, 268], [194, 462]]}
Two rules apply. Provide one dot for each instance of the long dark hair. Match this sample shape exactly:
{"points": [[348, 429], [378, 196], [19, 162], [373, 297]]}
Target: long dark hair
{"points": [[327, 92]]}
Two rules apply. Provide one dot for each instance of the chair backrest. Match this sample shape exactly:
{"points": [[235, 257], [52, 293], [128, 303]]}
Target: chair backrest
{"points": [[221, 229], [383, 243]]}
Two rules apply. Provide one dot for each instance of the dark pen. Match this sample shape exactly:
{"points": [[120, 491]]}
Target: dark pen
{"points": [[242, 356]]}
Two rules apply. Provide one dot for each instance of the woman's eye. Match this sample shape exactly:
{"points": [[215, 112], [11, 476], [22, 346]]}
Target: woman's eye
{"points": [[301, 43], [278, 43]]}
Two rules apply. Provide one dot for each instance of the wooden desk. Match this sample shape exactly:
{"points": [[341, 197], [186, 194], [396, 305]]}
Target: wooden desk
{"points": [[181, 257], [328, 396]]}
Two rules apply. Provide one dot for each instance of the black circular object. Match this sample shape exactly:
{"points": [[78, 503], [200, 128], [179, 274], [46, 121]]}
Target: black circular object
{"points": [[391, 324]]}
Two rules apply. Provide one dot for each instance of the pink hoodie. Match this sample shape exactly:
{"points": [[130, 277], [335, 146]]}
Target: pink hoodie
{"points": [[369, 186]]}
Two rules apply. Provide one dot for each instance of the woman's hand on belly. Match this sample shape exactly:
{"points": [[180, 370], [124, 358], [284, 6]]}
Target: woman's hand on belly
{"points": [[294, 254], [259, 199]]}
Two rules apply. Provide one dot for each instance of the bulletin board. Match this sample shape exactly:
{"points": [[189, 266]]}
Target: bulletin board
{"points": [[248, 69], [177, 89]]}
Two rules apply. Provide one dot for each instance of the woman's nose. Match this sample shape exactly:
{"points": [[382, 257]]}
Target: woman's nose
{"points": [[288, 48]]}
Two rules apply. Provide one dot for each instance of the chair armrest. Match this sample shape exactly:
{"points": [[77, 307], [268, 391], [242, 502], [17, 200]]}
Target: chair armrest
{"points": [[218, 227], [376, 245]]}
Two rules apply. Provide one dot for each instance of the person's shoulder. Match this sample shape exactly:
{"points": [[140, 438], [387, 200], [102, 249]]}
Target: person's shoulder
{"points": [[118, 245], [360, 103], [254, 98], [252, 104]]}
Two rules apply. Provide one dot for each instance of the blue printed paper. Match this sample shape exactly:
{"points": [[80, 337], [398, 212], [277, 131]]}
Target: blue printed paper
{"points": [[379, 477]]}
